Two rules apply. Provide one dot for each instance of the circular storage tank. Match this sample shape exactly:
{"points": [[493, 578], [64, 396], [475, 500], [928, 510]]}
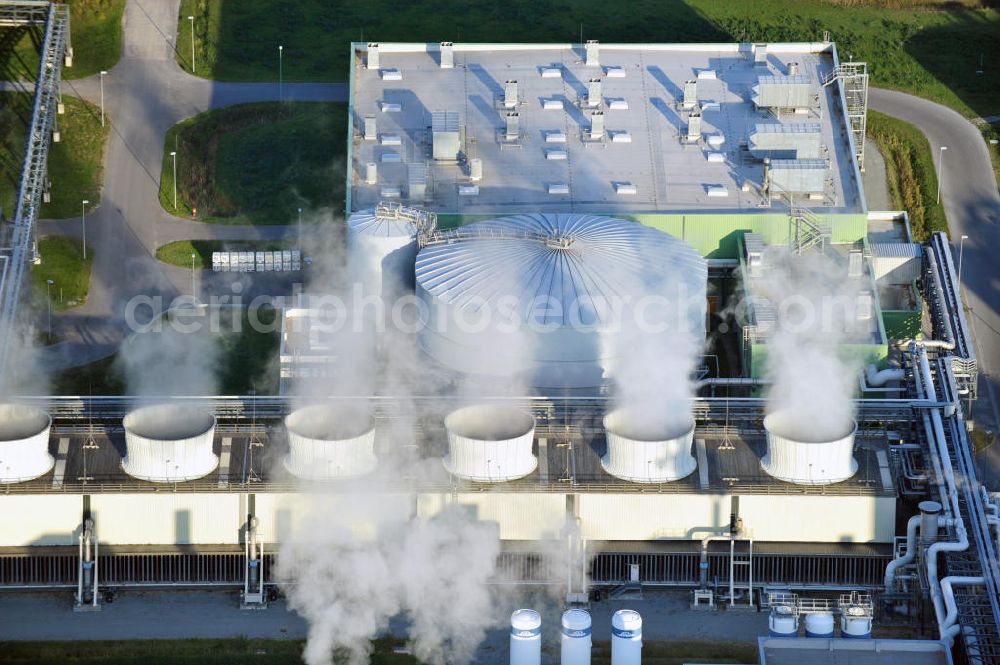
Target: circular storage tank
{"points": [[626, 638], [782, 622], [490, 444], [796, 457], [576, 638], [169, 443], [24, 443], [541, 296], [381, 250], [819, 624], [643, 450], [525, 637], [855, 623], [330, 442]]}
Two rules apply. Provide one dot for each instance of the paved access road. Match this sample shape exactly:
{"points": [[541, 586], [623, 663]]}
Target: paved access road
{"points": [[145, 94], [972, 203]]}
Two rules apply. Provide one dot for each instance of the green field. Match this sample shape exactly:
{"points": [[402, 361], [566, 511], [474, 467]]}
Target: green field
{"points": [[910, 172], [256, 163], [179, 253], [62, 262], [75, 163], [932, 52], [96, 37]]}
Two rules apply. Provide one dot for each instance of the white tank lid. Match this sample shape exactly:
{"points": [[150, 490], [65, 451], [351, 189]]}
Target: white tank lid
{"points": [[576, 620], [525, 623], [368, 223], [628, 621], [930, 507]]}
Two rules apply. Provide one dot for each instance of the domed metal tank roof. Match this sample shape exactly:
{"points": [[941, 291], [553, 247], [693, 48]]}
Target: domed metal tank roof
{"points": [[563, 271], [373, 222]]}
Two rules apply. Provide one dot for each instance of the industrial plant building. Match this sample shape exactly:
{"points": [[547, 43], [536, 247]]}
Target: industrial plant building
{"points": [[571, 172]]}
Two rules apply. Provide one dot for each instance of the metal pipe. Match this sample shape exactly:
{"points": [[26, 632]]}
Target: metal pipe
{"points": [[908, 556], [950, 628], [880, 378]]}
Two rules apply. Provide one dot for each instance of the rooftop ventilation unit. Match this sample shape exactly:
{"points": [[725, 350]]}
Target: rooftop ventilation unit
{"points": [[594, 93], [513, 126], [642, 450], [596, 125], [24, 443], [855, 265], [489, 443], [371, 173], [760, 55], [783, 92], [327, 443], [510, 94], [371, 128], [690, 93], [373, 59], [169, 443], [799, 176], [694, 127], [793, 68], [593, 51], [445, 135], [801, 140], [447, 55], [798, 456], [475, 169], [416, 180]]}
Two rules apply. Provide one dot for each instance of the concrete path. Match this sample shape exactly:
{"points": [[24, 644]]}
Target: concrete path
{"points": [[972, 203], [874, 179], [145, 94]]}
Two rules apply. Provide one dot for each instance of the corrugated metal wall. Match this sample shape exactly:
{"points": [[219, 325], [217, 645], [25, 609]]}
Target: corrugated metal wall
{"points": [[283, 516], [168, 519], [652, 516], [40, 519], [519, 516], [820, 519]]}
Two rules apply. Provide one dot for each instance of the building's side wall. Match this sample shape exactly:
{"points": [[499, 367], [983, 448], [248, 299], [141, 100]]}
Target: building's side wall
{"points": [[819, 519], [168, 519], [518, 516], [40, 519]]}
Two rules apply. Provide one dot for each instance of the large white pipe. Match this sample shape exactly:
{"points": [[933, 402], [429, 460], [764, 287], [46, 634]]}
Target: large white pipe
{"points": [[626, 638], [877, 378], [576, 641], [908, 556], [525, 638], [950, 627]]}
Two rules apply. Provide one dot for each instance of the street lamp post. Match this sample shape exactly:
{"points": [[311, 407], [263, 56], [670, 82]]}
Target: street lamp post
{"points": [[940, 172], [961, 252], [83, 224], [103, 72], [173, 153], [193, 66], [48, 299], [300, 231], [194, 295], [281, 74]]}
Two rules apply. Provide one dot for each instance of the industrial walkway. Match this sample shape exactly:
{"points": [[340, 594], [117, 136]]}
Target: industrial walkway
{"points": [[145, 94], [972, 203]]}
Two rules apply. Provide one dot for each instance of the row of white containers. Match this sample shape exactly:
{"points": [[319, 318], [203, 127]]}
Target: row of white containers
{"points": [[575, 640], [486, 443]]}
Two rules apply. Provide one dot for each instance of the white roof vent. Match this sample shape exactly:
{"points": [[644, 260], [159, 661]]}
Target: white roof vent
{"points": [[169, 443], [489, 443], [643, 450], [327, 443]]}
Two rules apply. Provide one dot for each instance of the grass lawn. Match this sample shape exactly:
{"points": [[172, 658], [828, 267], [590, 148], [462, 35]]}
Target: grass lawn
{"points": [[910, 171], [62, 262], [103, 377], [75, 163], [927, 47], [179, 253], [256, 163], [95, 32]]}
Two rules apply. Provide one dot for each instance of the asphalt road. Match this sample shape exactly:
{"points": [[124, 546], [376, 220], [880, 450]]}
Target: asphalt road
{"points": [[972, 203], [145, 94]]}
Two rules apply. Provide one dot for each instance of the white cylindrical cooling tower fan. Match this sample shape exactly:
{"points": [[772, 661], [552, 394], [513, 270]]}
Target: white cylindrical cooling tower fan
{"points": [[24, 443], [381, 251], [169, 443], [648, 449], [330, 442], [541, 295], [489, 444], [797, 456]]}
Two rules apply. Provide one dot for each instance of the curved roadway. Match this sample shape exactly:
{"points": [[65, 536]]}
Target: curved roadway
{"points": [[972, 203]]}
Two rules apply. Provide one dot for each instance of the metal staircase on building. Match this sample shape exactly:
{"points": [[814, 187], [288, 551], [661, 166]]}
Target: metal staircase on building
{"points": [[854, 85], [810, 229]]}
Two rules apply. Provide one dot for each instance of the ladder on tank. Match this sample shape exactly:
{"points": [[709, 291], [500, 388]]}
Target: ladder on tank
{"points": [[737, 561]]}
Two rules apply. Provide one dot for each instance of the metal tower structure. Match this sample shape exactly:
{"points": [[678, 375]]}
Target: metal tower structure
{"points": [[17, 236], [854, 85]]}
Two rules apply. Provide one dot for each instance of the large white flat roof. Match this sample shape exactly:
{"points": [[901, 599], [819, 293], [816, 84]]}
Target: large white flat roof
{"points": [[667, 174]]}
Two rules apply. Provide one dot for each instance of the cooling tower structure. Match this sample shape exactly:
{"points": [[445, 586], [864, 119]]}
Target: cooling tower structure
{"points": [[796, 456], [169, 443], [24, 443], [645, 448], [490, 444], [535, 295], [381, 249], [330, 443]]}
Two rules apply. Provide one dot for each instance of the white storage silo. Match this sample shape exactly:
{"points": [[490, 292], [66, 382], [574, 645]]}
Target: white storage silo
{"points": [[576, 638], [488, 443], [644, 448], [329, 442], [782, 621], [796, 455], [626, 638], [24, 443], [525, 638], [819, 624], [381, 249], [169, 443], [541, 295]]}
